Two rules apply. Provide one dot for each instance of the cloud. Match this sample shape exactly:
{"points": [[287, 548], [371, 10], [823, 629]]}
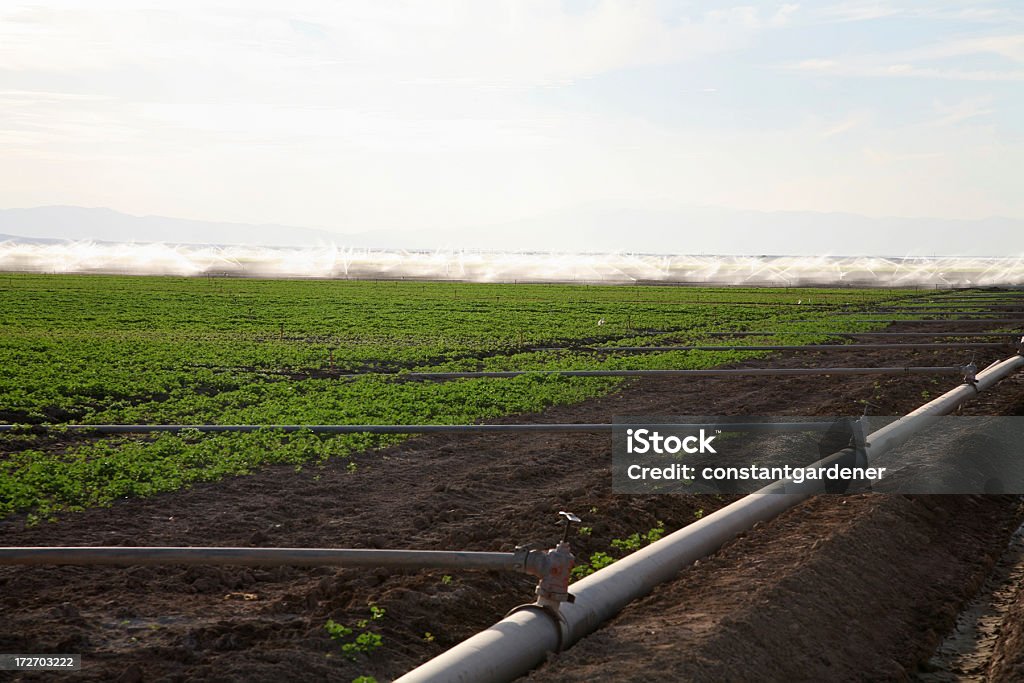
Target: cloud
{"points": [[784, 15], [929, 61], [854, 120], [951, 114], [1008, 46], [35, 122], [879, 156], [904, 70], [857, 11], [995, 13], [513, 42]]}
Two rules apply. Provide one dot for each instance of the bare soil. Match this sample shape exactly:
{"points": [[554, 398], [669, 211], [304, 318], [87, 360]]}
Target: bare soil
{"points": [[840, 587]]}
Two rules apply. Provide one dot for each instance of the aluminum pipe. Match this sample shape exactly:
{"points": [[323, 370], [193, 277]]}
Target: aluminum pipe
{"points": [[510, 648], [264, 557]]}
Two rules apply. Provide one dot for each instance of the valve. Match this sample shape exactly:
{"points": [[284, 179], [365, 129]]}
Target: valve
{"points": [[554, 568], [971, 375]]}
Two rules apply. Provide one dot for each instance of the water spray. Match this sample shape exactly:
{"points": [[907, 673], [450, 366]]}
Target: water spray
{"points": [[330, 262]]}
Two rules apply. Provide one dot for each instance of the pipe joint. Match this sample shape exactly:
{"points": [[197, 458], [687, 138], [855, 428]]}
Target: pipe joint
{"points": [[561, 625], [521, 558]]}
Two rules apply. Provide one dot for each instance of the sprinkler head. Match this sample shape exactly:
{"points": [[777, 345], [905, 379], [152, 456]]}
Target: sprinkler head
{"points": [[569, 519]]}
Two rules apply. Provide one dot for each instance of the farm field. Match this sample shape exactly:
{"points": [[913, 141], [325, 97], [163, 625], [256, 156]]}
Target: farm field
{"points": [[520, 342], [136, 350], [148, 350]]}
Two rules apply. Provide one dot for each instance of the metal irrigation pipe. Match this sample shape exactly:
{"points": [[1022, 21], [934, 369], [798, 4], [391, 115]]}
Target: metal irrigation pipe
{"points": [[857, 335], [1015, 301], [417, 429], [264, 557], [1000, 321], [918, 308], [967, 315], [713, 372], [522, 640], [783, 347], [971, 315]]}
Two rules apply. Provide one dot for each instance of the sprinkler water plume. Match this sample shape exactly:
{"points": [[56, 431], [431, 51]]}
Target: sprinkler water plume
{"points": [[493, 266]]}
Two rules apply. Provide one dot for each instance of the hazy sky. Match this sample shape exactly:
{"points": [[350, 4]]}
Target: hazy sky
{"points": [[363, 115]]}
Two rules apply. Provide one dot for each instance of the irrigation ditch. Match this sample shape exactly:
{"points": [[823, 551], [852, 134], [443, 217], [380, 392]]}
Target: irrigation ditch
{"points": [[440, 492], [982, 642]]}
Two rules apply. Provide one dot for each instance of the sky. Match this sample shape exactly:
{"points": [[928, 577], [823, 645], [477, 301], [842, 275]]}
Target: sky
{"points": [[450, 115]]}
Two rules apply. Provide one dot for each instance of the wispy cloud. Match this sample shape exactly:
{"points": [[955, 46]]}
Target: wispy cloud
{"points": [[36, 119], [881, 156], [853, 10], [531, 42], [928, 61], [951, 114], [1009, 46], [990, 12], [848, 123]]}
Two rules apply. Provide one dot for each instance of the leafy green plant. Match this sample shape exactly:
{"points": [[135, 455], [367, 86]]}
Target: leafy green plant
{"points": [[628, 544], [636, 541], [600, 560], [363, 641], [336, 630]]}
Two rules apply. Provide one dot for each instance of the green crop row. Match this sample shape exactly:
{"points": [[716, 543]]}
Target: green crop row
{"points": [[96, 349]]}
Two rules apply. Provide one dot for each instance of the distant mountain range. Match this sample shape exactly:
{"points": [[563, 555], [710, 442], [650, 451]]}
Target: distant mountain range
{"points": [[590, 228]]}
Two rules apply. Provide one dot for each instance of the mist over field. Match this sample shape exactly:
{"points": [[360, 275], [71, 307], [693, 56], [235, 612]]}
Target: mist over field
{"points": [[497, 266]]}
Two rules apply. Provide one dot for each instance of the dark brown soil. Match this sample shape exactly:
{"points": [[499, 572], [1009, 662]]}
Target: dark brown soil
{"points": [[843, 588], [1008, 658], [856, 589]]}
